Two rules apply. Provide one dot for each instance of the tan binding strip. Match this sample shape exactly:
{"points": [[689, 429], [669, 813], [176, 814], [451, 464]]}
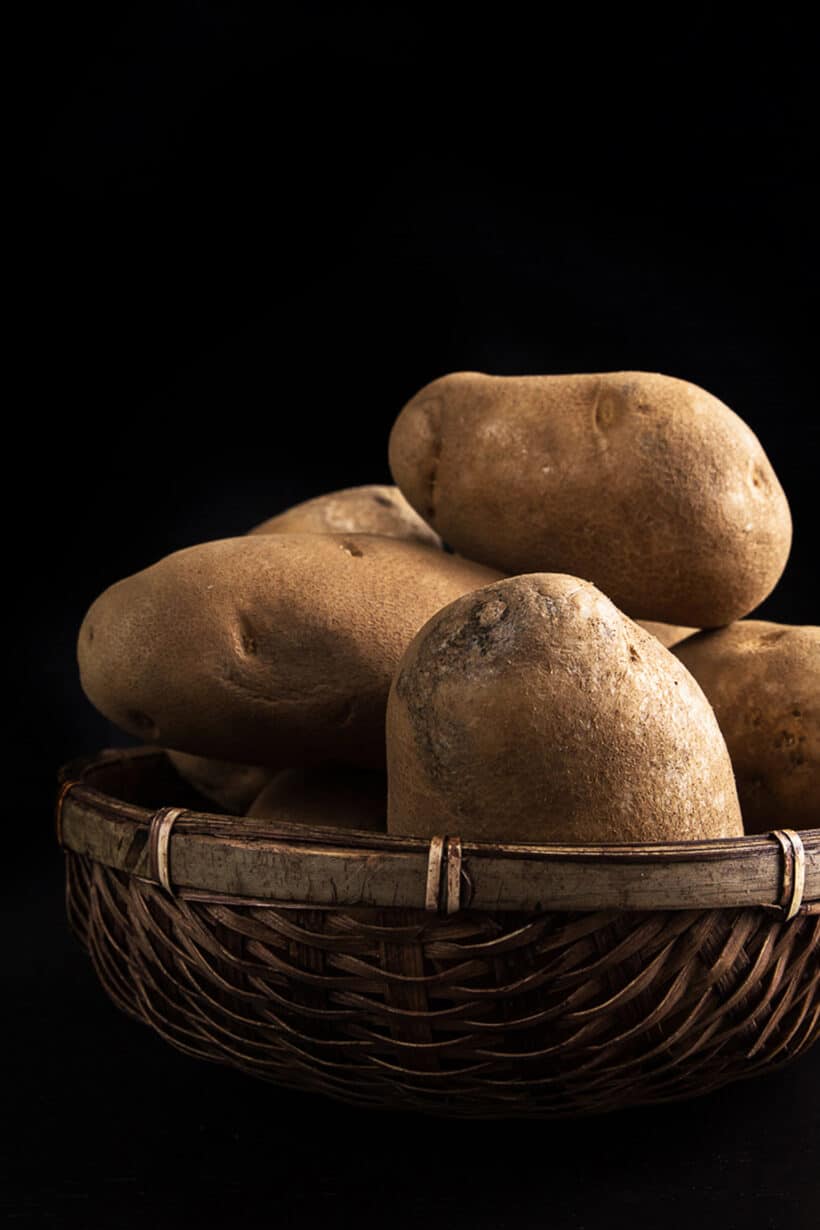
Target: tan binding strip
{"points": [[453, 875], [794, 870], [432, 900], [159, 844]]}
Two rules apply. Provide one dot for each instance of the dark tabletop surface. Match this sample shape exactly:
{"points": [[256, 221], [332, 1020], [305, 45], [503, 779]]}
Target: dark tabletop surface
{"points": [[247, 245]]}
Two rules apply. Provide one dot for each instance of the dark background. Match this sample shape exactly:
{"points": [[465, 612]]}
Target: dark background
{"points": [[247, 243]]}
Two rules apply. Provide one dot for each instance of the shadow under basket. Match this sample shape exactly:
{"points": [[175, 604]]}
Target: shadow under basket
{"points": [[462, 980]]}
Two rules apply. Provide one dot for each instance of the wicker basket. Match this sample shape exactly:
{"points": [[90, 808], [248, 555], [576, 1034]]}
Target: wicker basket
{"points": [[478, 981]]}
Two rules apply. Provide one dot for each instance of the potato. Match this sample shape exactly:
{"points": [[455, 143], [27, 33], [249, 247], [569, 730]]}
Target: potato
{"points": [[763, 681], [276, 649], [232, 786], [375, 509], [337, 795], [645, 485], [532, 710], [667, 634]]}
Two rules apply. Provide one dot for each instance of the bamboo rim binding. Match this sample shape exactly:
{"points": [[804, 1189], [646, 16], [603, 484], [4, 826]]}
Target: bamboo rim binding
{"points": [[294, 866], [446, 877], [794, 870], [445, 873], [159, 845]]}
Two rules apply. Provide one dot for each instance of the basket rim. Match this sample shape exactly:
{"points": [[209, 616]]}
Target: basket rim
{"points": [[222, 857]]}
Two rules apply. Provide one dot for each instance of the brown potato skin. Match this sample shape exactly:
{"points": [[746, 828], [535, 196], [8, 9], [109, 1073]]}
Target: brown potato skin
{"points": [[763, 681], [645, 485], [232, 786], [373, 509], [273, 649], [667, 634], [534, 711], [336, 795]]}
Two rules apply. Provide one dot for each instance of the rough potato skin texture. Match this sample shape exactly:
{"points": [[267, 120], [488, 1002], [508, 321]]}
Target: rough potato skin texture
{"points": [[276, 649], [667, 634], [375, 509], [763, 682], [232, 786], [336, 795], [643, 484], [534, 711]]}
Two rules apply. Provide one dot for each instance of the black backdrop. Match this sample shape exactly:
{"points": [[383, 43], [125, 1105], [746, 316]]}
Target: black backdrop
{"points": [[247, 244]]}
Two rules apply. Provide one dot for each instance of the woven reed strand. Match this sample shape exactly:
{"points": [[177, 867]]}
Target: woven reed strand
{"points": [[476, 1014]]}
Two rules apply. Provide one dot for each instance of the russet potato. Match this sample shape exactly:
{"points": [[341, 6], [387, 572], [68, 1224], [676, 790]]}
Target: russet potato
{"points": [[532, 710], [763, 682], [373, 509], [667, 634], [232, 786], [643, 484], [337, 795], [272, 649]]}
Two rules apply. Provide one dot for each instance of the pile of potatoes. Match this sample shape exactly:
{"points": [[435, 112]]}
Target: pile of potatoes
{"points": [[574, 665]]}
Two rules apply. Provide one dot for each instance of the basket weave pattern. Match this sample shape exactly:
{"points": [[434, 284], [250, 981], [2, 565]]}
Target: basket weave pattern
{"points": [[476, 1014]]}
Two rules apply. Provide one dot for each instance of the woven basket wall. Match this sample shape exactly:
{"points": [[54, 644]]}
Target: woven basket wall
{"points": [[536, 1011]]}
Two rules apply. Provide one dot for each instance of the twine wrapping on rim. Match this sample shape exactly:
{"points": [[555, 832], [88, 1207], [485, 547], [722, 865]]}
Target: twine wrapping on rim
{"points": [[159, 845], [445, 875], [794, 871], [434, 859]]}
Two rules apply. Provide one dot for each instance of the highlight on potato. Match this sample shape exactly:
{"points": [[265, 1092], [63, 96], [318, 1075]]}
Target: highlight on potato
{"points": [[373, 509]]}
